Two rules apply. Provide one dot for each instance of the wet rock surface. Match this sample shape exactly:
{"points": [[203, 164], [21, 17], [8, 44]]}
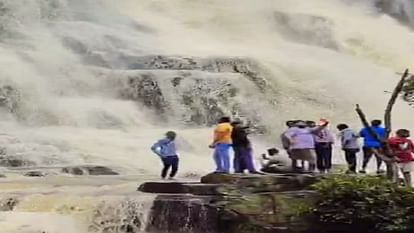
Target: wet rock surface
{"points": [[89, 170], [8, 204], [238, 203], [181, 188], [11, 161], [183, 214], [35, 174]]}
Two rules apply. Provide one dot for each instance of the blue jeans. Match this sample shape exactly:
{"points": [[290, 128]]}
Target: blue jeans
{"points": [[222, 157]]}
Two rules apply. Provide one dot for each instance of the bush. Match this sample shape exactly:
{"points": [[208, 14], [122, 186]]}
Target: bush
{"points": [[363, 204]]}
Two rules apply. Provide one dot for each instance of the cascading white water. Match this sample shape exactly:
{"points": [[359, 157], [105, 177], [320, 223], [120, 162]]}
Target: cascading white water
{"points": [[71, 71]]}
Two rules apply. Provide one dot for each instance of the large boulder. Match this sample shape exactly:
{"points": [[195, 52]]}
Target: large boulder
{"points": [[262, 183], [181, 187], [35, 174], [232, 203]]}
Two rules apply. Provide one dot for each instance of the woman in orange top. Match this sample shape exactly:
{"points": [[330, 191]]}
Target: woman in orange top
{"points": [[221, 144]]}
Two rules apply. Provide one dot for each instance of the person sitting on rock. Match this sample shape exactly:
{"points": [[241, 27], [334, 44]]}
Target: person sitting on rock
{"points": [[221, 144], [167, 151], [243, 152], [270, 161]]}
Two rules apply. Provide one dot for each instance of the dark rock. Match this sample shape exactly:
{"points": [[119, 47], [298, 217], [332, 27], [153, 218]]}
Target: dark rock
{"points": [[8, 204], [399, 10], [184, 214], [179, 187], [306, 29], [163, 187], [263, 183], [89, 170], [10, 161], [233, 203], [146, 90], [35, 174], [124, 216], [194, 99]]}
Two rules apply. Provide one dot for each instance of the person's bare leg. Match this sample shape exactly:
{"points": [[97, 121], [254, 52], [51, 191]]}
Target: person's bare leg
{"points": [[407, 179]]}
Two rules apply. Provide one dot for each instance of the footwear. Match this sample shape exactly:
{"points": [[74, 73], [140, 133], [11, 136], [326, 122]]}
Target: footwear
{"points": [[257, 173], [380, 172], [362, 172]]}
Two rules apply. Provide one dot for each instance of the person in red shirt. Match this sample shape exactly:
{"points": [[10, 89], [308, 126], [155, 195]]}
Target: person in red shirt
{"points": [[403, 149]]}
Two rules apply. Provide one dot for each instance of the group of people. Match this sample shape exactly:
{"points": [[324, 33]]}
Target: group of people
{"points": [[309, 146]]}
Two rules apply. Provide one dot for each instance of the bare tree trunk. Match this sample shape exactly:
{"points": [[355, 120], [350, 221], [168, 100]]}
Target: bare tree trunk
{"points": [[391, 102], [386, 155]]}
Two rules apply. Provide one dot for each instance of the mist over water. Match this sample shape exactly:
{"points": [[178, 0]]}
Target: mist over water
{"points": [[71, 89]]}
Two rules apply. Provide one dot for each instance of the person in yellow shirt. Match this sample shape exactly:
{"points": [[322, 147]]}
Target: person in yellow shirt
{"points": [[222, 144]]}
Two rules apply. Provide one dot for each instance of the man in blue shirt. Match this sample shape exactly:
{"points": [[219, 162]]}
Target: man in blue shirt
{"points": [[167, 151], [372, 145]]}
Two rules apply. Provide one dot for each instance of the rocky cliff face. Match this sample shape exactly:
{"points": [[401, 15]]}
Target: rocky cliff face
{"points": [[230, 204], [402, 10]]}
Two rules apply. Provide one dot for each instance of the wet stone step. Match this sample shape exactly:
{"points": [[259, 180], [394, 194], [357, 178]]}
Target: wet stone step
{"points": [[181, 188]]}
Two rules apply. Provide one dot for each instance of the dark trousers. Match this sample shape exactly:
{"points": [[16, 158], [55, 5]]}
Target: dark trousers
{"points": [[368, 152], [350, 156], [323, 156], [243, 159], [169, 161]]}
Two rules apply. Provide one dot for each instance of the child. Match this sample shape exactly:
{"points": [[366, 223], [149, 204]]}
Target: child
{"points": [[167, 151], [349, 141], [402, 148], [268, 161]]}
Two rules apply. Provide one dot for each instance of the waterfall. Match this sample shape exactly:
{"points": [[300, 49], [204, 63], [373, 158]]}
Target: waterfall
{"points": [[96, 82]]}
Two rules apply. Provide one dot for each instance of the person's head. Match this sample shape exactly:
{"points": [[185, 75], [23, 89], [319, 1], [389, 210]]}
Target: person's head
{"points": [[171, 135], [341, 127], [273, 151], [376, 123], [290, 123], [236, 123], [311, 124], [403, 133], [301, 124], [224, 120]]}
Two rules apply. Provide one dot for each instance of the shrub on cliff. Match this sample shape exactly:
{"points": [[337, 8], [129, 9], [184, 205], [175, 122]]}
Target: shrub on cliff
{"points": [[363, 204]]}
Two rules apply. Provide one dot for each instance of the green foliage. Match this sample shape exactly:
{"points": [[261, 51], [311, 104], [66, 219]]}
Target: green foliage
{"points": [[363, 204]]}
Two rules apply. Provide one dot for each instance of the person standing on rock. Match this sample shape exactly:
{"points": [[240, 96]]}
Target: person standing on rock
{"points": [[167, 151], [286, 143], [243, 151], [350, 145], [302, 143], [372, 146], [221, 144], [403, 149], [323, 147]]}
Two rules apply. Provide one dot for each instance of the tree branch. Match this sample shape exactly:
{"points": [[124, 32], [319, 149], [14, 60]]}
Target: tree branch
{"points": [[392, 100]]}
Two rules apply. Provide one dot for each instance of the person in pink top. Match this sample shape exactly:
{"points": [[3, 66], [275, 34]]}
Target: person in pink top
{"points": [[324, 140], [302, 143]]}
